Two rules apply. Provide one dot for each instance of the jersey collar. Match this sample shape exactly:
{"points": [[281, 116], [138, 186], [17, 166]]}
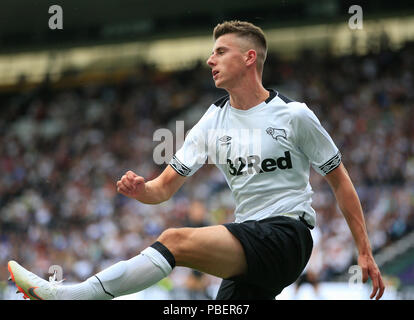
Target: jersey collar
{"points": [[272, 94]]}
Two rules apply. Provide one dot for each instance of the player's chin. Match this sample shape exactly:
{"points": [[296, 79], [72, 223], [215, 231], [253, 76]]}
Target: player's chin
{"points": [[219, 84]]}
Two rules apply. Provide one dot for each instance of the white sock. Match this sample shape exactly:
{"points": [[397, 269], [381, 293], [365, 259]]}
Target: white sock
{"points": [[124, 277]]}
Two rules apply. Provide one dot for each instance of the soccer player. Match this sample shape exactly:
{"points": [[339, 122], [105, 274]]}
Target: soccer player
{"points": [[264, 144]]}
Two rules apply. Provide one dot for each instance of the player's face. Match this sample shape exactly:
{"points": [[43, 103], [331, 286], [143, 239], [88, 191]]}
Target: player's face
{"points": [[227, 61]]}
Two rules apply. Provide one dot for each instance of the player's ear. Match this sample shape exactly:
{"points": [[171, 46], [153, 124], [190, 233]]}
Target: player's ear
{"points": [[250, 57]]}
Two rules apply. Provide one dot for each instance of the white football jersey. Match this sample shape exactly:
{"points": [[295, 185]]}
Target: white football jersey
{"points": [[265, 154]]}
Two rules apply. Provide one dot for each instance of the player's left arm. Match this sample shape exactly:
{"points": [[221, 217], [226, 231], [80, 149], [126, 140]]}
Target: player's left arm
{"points": [[350, 206]]}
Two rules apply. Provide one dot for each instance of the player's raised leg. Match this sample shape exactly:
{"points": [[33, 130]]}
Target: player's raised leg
{"points": [[124, 277], [214, 250], [211, 249]]}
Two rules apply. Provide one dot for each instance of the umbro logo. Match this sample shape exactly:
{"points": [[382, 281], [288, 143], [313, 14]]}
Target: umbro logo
{"points": [[225, 139]]}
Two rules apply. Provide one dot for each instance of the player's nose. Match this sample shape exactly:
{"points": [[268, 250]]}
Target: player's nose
{"points": [[210, 61]]}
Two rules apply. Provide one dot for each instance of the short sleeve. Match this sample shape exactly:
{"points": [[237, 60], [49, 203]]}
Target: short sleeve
{"points": [[314, 141], [193, 153]]}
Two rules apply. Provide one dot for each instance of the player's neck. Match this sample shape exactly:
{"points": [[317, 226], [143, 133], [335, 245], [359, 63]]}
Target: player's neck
{"points": [[247, 94], [246, 97]]}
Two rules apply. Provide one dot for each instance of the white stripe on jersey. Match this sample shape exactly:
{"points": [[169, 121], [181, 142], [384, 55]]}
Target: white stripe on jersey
{"points": [[265, 154]]}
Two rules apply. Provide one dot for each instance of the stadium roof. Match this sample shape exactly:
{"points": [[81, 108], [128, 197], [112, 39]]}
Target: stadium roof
{"points": [[24, 23]]}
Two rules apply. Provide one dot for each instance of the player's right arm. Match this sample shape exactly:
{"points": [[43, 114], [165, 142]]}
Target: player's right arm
{"points": [[188, 159], [154, 191]]}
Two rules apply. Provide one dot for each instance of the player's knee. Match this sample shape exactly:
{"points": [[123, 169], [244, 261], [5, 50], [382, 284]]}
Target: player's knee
{"points": [[168, 235], [176, 240]]}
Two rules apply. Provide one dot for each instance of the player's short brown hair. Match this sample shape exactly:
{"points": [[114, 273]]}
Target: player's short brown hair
{"points": [[247, 31]]}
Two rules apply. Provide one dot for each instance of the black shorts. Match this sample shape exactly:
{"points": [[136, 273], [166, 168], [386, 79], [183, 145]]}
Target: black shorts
{"points": [[277, 250]]}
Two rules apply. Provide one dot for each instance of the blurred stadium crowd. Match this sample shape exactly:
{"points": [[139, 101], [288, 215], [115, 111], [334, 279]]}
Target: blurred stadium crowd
{"points": [[62, 151]]}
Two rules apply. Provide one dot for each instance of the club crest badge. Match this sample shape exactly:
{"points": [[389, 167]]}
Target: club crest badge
{"points": [[276, 133]]}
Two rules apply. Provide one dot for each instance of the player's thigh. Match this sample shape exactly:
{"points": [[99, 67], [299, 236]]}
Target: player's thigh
{"points": [[213, 250]]}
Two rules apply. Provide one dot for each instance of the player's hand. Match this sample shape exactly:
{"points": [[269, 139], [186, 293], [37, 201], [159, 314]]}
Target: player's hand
{"points": [[370, 270], [131, 185]]}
